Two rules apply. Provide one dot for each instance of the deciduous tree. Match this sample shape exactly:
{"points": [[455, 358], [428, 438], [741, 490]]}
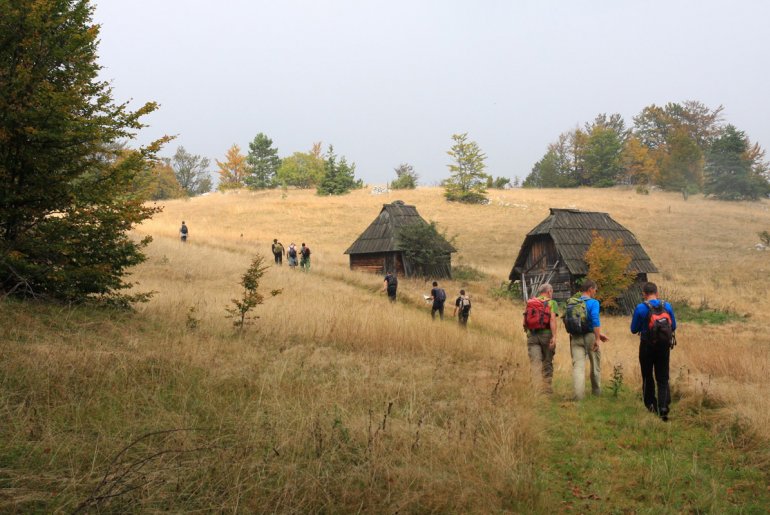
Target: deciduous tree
{"points": [[302, 170], [406, 177], [233, 170], [192, 172], [731, 173], [467, 178], [608, 267], [67, 202]]}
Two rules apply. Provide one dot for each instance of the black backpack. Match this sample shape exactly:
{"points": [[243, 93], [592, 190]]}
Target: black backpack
{"points": [[576, 316], [441, 295]]}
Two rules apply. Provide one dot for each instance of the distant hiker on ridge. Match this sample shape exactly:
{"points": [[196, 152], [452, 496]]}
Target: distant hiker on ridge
{"points": [[390, 285], [183, 232]]}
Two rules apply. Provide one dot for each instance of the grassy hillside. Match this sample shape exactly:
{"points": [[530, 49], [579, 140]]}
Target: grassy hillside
{"points": [[336, 401]]}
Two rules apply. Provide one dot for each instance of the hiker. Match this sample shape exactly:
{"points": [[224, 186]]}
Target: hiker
{"points": [[292, 255], [278, 252], [581, 319], [462, 308], [438, 296], [654, 322], [541, 327], [304, 258], [390, 285], [183, 232]]}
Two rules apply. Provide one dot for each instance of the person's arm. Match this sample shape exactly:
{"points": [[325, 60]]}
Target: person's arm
{"points": [[593, 314], [554, 326], [457, 304], [670, 310], [637, 321]]}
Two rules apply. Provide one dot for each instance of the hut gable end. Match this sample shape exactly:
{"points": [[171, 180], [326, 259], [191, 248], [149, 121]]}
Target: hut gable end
{"points": [[571, 231]]}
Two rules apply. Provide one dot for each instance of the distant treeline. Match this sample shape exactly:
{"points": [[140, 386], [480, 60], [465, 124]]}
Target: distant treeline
{"points": [[683, 147]]}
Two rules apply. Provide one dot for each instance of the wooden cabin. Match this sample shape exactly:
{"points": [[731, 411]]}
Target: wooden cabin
{"points": [[377, 249], [554, 252]]}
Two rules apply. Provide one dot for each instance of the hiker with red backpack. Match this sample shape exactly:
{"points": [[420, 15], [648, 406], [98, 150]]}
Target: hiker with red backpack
{"points": [[655, 323], [540, 324]]}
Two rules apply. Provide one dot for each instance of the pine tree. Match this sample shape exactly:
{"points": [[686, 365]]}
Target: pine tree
{"points": [[339, 176], [263, 163], [67, 200]]}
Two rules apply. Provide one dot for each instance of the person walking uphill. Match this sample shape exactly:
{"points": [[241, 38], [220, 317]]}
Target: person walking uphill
{"points": [[292, 255], [304, 258], [390, 285], [278, 252], [438, 296], [183, 232], [462, 308], [581, 319], [541, 326], [655, 323]]}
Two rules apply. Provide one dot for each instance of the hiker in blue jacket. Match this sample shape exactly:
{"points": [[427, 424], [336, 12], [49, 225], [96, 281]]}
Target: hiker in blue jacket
{"points": [[654, 350], [587, 345]]}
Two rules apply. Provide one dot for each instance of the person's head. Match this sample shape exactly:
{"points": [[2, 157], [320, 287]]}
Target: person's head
{"points": [[435, 284], [545, 289], [303, 244], [182, 222], [275, 240], [462, 292], [589, 287], [650, 291]]}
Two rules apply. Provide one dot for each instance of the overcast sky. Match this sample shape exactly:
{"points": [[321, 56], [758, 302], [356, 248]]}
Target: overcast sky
{"points": [[390, 82]]}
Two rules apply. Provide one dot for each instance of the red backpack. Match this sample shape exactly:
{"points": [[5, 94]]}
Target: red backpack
{"points": [[660, 324], [538, 314]]}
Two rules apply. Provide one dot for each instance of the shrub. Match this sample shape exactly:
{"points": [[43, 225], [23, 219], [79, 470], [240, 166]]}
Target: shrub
{"points": [[251, 298], [608, 267]]}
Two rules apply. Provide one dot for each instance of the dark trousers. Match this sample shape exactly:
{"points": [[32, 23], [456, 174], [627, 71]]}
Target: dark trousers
{"points": [[392, 293], [437, 308], [278, 258], [654, 362]]}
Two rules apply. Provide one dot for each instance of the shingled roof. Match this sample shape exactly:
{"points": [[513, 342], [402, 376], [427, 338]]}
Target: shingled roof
{"points": [[382, 233], [572, 232]]}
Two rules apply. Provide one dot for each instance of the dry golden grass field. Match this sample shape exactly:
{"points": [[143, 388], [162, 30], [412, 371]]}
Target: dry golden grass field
{"points": [[333, 400]]}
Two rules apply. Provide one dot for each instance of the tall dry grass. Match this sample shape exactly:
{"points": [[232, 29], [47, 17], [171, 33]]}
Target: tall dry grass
{"points": [[335, 400]]}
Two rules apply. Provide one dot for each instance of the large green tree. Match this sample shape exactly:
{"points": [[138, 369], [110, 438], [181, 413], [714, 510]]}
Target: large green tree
{"points": [[731, 170], [467, 179], [66, 197], [192, 172], [263, 163], [301, 169], [339, 175], [681, 168]]}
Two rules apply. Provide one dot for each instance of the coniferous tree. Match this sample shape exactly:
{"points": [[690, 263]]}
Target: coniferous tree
{"points": [[263, 163], [67, 200], [339, 176]]}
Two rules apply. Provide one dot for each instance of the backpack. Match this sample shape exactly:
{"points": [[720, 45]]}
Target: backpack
{"points": [[292, 252], [305, 251], [659, 324], [441, 295], [576, 316], [277, 248], [538, 314], [465, 305], [183, 230]]}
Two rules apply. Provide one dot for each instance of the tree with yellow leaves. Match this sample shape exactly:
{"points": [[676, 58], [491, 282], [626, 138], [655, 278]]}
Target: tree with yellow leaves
{"points": [[233, 170], [608, 267]]}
